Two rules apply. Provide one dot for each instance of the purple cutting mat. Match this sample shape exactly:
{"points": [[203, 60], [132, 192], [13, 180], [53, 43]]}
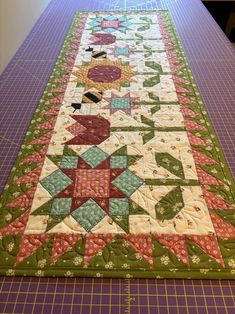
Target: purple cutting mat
{"points": [[211, 57]]}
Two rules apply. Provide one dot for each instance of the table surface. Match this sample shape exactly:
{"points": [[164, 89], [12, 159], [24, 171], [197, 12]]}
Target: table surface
{"points": [[212, 60]]}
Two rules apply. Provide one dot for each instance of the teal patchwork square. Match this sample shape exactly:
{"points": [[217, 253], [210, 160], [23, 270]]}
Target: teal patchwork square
{"points": [[69, 162], [128, 182], [118, 207], [56, 182], [94, 156], [118, 162], [61, 206], [122, 51], [120, 103], [88, 215]]}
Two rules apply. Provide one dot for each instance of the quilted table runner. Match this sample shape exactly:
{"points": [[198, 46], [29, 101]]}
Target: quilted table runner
{"points": [[120, 173]]}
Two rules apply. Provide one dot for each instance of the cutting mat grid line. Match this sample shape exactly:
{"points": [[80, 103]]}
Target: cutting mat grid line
{"points": [[22, 84]]}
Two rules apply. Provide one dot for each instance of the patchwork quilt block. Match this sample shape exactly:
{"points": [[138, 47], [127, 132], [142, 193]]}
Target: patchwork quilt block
{"points": [[120, 173]]}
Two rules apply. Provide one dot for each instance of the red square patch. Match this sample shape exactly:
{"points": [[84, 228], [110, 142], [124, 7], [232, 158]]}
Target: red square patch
{"points": [[92, 183], [110, 24]]}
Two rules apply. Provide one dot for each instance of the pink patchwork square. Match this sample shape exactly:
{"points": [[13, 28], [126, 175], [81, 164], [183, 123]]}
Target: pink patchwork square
{"points": [[110, 24], [92, 183], [76, 129]]}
